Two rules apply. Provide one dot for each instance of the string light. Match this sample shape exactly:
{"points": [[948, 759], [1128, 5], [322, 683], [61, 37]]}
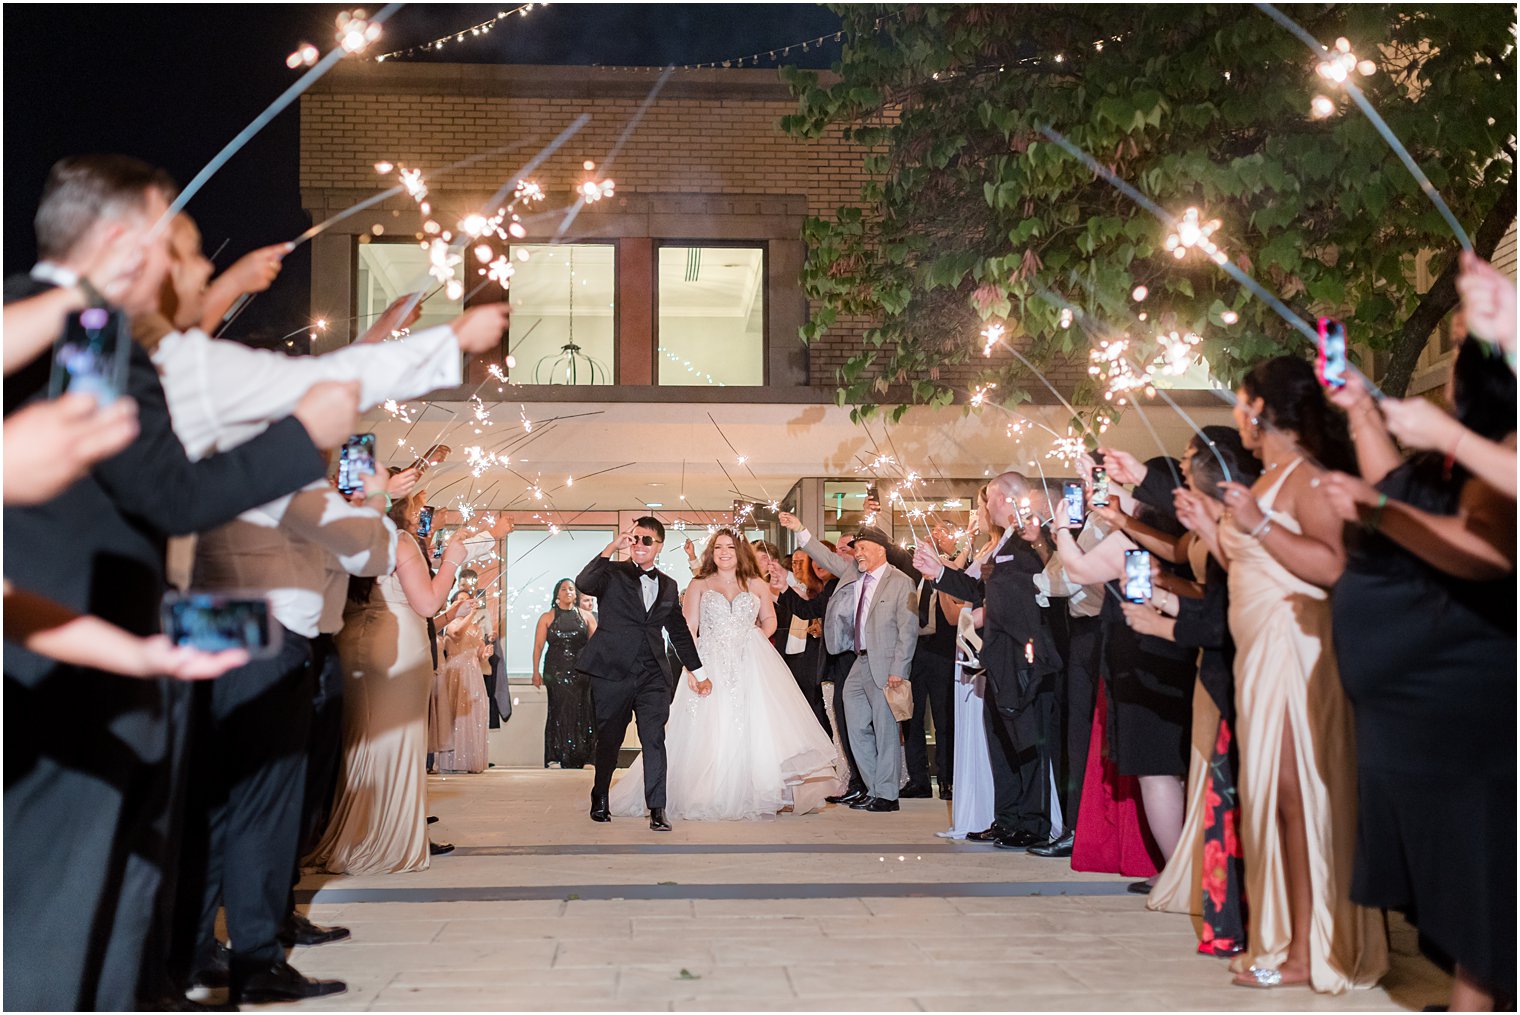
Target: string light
{"points": [[473, 31]]}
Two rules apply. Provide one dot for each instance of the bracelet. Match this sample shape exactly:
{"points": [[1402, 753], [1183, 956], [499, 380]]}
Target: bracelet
{"points": [[1377, 513], [1262, 528], [388, 501]]}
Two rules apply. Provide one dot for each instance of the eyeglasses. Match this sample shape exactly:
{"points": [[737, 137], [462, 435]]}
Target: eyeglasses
{"points": [[647, 540]]}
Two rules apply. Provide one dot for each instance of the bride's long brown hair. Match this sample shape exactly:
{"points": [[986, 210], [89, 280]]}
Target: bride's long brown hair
{"points": [[746, 567]]}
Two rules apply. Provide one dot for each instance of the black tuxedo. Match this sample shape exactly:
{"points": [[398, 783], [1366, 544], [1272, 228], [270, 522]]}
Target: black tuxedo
{"points": [[90, 791], [1018, 691], [631, 675]]}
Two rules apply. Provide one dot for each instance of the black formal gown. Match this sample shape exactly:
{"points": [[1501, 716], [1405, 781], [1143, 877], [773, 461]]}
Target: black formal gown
{"points": [[1428, 663], [570, 730]]}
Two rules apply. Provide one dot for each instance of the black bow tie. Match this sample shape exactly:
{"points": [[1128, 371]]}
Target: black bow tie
{"points": [[647, 572]]}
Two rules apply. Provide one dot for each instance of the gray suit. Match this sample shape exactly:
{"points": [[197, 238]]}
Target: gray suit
{"points": [[889, 636]]}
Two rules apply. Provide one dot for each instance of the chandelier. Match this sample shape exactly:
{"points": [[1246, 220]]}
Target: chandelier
{"points": [[570, 365]]}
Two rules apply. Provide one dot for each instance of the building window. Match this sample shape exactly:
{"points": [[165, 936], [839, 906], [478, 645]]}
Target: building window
{"points": [[563, 308], [711, 315], [387, 271]]}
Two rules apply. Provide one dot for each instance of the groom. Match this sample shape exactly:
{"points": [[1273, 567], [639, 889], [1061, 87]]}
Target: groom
{"points": [[625, 659]]}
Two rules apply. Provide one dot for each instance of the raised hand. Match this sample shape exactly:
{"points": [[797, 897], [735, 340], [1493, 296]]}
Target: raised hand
{"points": [[1418, 423], [1123, 467], [400, 315], [1345, 494], [479, 329], [49, 445], [1144, 619], [403, 483], [160, 656], [255, 271], [926, 561], [116, 264], [1242, 504], [1488, 300], [789, 521], [329, 411]]}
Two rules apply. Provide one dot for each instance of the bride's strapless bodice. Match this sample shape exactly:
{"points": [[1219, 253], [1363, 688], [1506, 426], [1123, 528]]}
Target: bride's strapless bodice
{"points": [[724, 626]]}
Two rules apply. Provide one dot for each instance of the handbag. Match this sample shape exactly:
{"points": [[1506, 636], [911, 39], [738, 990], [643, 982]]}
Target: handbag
{"points": [[900, 698]]}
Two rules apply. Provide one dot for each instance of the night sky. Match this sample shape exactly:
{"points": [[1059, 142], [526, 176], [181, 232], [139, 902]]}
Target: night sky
{"points": [[173, 84]]}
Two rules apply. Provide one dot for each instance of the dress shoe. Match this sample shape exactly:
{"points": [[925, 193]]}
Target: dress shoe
{"points": [[1140, 888], [862, 803], [847, 798], [213, 973], [599, 811], [657, 822], [172, 1002], [1017, 840], [300, 931], [912, 792], [987, 835], [1056, 847], [278, 981], [439, 848], [432, 818], [944, 791], [878, 805]]}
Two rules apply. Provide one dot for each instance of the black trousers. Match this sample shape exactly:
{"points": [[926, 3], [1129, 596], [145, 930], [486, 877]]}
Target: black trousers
{"points": [[1016, 746], [806, 670], [248, 785], [645, 699], [86, 783], [838, 667], [1076, 697], [933, 693]]}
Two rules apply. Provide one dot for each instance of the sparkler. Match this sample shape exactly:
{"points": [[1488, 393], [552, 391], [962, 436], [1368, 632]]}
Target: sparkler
{"points": [[591, 190], [275, 108], [1336, 68]]}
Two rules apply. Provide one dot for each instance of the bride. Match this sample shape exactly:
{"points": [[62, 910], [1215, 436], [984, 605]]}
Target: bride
{"points": [[751, 747]]}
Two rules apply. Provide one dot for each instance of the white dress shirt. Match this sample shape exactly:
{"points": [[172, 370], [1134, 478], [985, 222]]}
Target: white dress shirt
{"points": [[867, 590], [221, 394], [649, 587]]}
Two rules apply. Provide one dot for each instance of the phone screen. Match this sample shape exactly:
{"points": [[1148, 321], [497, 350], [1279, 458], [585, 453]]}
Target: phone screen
{"points": [[90, 358], [213, 622], [1332, 353], [425, 521], [1071, 497], [1137, 575], [355, 461], [1099, 486]]}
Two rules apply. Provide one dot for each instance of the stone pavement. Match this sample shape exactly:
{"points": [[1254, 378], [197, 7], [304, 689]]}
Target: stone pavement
{"points": [[541, 909]]}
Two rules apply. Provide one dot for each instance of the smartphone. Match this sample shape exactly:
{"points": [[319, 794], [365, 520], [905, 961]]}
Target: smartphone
{"points": [[425, 521], [433, 455], [215, 621], [1099, 486], [90, 357], [355, 461], [1072, 498], [1137, 575], [1332, 353]]}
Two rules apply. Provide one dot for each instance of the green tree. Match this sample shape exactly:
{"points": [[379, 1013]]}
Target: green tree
{"points": [[971, 216]]}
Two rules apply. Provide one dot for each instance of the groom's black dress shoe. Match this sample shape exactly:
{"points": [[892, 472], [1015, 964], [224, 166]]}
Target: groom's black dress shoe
{"points": [[298, 930], [1018, 840], [913, 792], [848, 798], [657, 822], [599, 810], [276, 982], [1056, 847], [987, 835], [877, 805], [862, 803]]}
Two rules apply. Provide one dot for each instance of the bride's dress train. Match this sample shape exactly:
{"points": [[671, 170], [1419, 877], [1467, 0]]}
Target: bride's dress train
{"points": [[752, 747]]}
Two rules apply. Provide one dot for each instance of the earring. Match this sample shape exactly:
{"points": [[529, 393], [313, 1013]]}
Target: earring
{"points": [[1255, 427]]}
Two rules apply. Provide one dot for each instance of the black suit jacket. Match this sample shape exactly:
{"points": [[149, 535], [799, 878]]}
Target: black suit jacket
{"points": [[1011, 623], [99, 546], [627, 634]]}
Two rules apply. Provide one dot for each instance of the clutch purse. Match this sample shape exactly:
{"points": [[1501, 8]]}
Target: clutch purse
{"points": [[900, 698]]}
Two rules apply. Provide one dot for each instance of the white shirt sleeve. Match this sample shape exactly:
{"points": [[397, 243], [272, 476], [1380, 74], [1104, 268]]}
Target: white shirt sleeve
{"points": [[219, 392]]}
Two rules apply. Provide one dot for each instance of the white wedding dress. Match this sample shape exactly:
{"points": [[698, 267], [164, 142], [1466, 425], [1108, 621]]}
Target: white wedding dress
{"points": [[750, 748]]}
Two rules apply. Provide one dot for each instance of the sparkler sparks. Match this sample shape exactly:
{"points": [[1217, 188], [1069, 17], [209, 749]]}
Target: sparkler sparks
{"points": [[991, 336], [1193, 233]]}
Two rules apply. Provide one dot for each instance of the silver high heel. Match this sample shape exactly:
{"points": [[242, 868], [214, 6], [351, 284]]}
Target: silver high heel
{"points": [[1261, 978]]}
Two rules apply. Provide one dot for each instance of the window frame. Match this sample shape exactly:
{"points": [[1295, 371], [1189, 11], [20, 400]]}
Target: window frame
{"points": [[761, 245]]}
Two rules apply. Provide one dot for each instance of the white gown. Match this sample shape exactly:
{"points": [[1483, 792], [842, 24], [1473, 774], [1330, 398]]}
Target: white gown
{"points": [[750, 748]]}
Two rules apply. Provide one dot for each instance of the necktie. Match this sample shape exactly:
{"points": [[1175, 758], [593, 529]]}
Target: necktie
{"points": [[925, 604], [860, 610]]}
